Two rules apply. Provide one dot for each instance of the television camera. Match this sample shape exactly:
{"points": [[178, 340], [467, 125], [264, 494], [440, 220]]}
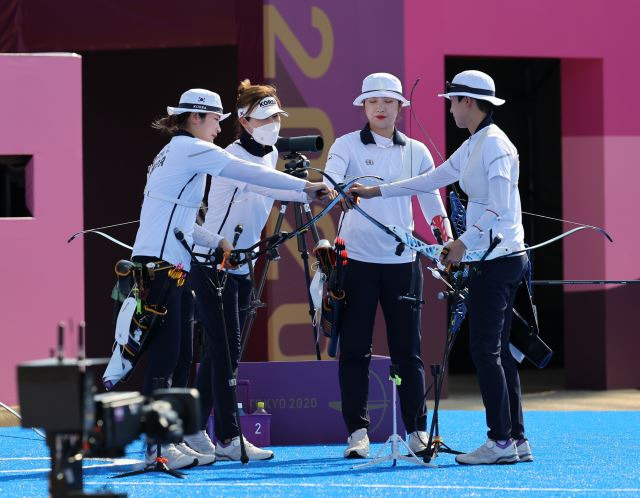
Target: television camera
{"points": [[58, 395]]}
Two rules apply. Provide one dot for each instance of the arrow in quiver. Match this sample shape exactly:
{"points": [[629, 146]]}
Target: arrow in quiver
{"points": [[333, 262]]}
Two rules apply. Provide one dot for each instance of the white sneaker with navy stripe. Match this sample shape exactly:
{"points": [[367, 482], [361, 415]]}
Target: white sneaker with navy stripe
{"points": [[490, 453], [524, 450]]}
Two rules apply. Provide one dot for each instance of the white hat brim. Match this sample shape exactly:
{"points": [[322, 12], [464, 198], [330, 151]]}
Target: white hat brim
{"points": [[172, 111], [268, 112], [494, 100], [381, 93]]}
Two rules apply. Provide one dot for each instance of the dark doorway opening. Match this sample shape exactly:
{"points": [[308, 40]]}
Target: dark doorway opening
{"points": [[531, 119], [124, 91], [15, 189]]}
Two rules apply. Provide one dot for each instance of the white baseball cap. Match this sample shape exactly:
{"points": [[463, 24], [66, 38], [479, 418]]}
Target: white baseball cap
{"points": [[199, 100], [475, 84], [267, 107], [381, 85]]}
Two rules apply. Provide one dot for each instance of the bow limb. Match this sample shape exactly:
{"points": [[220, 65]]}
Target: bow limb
{"points": [[81, 232], [108, 237], [458, 195], [354, 179], [324, 211], [277, 239], [342, 190], [432, 251], [562, 236]]}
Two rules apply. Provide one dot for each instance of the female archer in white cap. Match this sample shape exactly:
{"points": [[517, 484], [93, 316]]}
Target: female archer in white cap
{"points": [[375, 274], [487, 167], [232, 203], [172, 197]]}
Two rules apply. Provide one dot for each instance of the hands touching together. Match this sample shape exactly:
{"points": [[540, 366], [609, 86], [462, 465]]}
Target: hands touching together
{"points": [[319, 191], [452, 253]]}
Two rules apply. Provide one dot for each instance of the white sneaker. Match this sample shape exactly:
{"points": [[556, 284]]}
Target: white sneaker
{"points": [[490, 453], [190, 452], [232, 451], [418, 442], [201, 443], [358, 445], [175, 458], [524, 450]]}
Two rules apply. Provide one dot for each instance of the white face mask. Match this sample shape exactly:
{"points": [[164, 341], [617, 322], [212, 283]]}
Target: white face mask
{"points": [[267, 134]]}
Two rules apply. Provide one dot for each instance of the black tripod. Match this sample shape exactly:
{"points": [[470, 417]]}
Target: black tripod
{"points": [[217, 286], [435, 442], [458, 294], [302, 213]]}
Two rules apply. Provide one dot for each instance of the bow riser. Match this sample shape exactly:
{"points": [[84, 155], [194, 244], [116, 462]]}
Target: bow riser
{"points": [[433, 251]]}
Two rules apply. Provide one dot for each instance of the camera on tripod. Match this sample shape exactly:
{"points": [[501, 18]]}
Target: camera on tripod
{"points": [[57, 394], [297, 164]]}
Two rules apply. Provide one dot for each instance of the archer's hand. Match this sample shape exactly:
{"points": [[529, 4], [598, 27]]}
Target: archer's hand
{"points": [[227, 261], [333, 193], [348, 200], [317, 191], [453, 253], [358, 190], [225, 245]]}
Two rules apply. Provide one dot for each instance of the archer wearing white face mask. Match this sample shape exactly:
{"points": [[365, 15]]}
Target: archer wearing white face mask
{"points": [[262, 119], [233, 203], [266, 134]]}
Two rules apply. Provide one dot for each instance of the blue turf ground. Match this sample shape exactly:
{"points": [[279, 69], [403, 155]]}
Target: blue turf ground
{"points": [[576, 453]]}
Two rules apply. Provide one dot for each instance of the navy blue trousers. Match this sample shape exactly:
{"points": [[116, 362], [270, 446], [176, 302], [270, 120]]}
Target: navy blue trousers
{"points": [[366, 285], [185, 359], [492, 292]]}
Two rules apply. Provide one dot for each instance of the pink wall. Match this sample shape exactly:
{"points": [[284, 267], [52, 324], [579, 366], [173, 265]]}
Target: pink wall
{"points": [[42, 276], [601, 135]]}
